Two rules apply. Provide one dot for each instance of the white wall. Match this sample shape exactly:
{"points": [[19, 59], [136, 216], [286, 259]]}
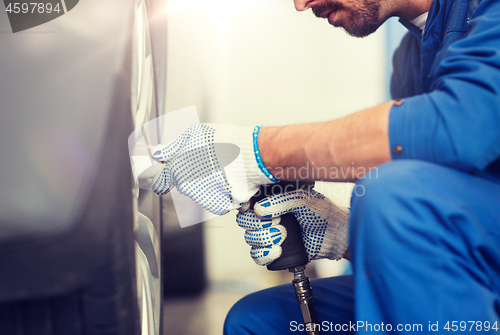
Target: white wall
{"points": [[260, 61]]}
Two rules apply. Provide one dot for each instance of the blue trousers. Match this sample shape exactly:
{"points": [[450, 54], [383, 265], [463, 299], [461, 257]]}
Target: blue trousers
{"points": [[425, 250]]}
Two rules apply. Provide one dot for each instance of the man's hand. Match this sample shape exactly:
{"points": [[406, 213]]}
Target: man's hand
{"points": [[324, 225], [213, 164]]}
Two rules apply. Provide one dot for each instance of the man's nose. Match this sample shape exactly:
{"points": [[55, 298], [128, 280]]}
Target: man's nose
{"points": [[302, 5]]}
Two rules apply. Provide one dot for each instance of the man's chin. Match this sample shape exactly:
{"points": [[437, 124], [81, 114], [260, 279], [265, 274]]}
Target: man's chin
{"points": [[359, 32]]}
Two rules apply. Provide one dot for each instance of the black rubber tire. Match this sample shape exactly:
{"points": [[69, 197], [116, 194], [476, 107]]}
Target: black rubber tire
{"points": [[105, 307], [183, 253]]}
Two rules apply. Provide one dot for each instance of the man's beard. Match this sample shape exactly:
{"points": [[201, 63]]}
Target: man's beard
{"points": [[364, 19]]}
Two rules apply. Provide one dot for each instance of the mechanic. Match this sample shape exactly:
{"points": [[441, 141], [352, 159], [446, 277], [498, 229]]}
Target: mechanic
{"points": [[424, 236]]}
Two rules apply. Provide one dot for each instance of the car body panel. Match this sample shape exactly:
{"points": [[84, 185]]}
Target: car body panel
{"points": [[57, 84], [71, 91]]}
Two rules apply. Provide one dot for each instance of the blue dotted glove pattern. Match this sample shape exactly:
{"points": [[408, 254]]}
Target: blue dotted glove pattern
{"points": [[265, 236], [249, 221], [192, 166], [265, 255], [296, 202], [312, 210]]}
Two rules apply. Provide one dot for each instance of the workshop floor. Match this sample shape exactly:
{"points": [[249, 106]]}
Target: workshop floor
{"points": [[202, 315]]}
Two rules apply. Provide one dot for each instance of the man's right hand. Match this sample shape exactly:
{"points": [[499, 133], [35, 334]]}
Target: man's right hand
{"points": [[324, 225]]}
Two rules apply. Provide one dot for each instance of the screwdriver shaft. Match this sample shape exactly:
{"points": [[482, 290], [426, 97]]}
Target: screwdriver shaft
{"points": [[304, 295]]}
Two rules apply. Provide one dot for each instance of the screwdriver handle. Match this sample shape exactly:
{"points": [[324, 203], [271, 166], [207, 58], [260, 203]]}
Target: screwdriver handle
{"points": [[293, 252], [294, 255]]}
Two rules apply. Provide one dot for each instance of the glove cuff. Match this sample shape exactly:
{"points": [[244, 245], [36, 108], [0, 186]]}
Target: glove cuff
{"points": [[244, 180], [336, 239]]}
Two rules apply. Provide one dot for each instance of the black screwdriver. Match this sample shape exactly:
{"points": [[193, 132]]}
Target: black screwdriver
{"points": [[294, 256]]}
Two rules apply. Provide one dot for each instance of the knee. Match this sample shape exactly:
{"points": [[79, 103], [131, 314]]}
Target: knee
{"points": [[263, 312], [383, 187], [237, 318], [385, 195], [246, 316]]}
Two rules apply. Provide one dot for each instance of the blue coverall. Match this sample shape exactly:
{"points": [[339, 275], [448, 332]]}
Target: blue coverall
{"points": [[425, 235]]}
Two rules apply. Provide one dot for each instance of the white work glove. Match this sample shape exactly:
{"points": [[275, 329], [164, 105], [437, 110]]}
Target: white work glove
{"points": [[213, 164], [324, 225]]}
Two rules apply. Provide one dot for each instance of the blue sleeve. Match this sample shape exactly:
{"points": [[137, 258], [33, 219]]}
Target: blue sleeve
{"points": [[457, 123]]}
